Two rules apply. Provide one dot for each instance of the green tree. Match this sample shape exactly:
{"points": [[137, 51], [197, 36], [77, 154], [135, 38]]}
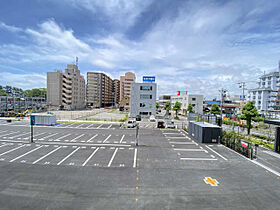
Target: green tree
{"points": [[2, 91], [215, 109], [157, 105], [177, 107], [249, 111], [190, 108], [167, 107]]}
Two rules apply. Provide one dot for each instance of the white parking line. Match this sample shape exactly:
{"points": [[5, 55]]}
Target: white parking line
{"points": [[216, 153], [26, 153], [272, 154], [122, 138], [109, 126], [107, 138], [39, 134], [50, 135], [77, 137], [99, 126], [22, 134], [89, 126], [175, 142], [177, 137], [92, 138], [197, 159], [11, 150], [68, 125], [90, 156], [191, 150], [11, 132], [68, 156], [135, 158], [64, 136], [265, 167], [79, 126], [113, 156], [41, 158], [3, 145]]}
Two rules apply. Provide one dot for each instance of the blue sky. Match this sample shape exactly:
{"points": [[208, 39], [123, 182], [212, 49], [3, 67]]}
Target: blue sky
{"points": [[199, 45]]}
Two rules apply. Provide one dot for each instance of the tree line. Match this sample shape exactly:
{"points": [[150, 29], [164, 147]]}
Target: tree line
{"points": [[18, 92]]}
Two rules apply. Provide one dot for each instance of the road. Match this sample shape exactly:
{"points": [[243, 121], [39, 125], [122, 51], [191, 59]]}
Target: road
{"points": [[78, 166]]}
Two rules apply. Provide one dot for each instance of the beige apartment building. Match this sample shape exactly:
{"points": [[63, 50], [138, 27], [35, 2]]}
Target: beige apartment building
{"points": [[125, 86], [99, 90], [66, 90], [116, 92]]}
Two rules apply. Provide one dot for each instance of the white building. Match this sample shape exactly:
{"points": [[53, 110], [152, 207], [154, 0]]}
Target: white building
{"points": [[194, 99], [265, 95], [143, 99]]}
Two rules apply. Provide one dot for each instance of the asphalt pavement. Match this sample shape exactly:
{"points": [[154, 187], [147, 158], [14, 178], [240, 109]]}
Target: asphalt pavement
{"points": [[98, 166]]}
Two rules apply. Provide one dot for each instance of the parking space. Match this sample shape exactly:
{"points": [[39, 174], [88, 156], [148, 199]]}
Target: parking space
{"points": [[88, 126], [68, 155], [189, 150]]}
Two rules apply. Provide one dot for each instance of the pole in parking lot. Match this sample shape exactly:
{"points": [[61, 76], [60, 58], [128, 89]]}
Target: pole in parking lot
{"points": [[137, 132], [32, 122]]}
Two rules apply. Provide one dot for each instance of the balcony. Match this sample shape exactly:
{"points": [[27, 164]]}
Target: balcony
{"points": [[67, 86], [67, 81], [64, 95], [67, 91]]}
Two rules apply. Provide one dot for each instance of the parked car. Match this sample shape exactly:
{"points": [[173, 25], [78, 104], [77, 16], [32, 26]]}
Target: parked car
{"points": [[131, 124], [152, 118], [160, 124], [170, 124], [138, 117]]}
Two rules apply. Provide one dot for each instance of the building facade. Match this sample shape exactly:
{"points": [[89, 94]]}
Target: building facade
{"points": [[125, 85], [99, 90], [66, 90], [116, 92], [163, 99], [185, 99], [143, 99], [265, 95]]}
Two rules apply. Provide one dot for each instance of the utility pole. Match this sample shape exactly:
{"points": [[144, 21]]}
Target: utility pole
{"points": [[242, 85], [223, 94]]}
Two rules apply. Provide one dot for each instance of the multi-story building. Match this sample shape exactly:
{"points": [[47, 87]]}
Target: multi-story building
{"points": [[163, 99], [125, 85], [143, 99], [116, 92], [66, 89], [185, 99], [265, 96], [99, 90]]}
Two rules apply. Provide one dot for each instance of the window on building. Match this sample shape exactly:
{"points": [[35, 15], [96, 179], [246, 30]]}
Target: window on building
{"points": [[146, 87], [193, 99], [145, 96]]}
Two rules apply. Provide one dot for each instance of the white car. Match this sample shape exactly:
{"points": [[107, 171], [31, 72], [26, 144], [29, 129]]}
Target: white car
{"points": [[152, 118], [131, 124], [170, 124]]}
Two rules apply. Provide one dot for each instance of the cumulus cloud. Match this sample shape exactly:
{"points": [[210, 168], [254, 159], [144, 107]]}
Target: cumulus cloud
{"points": [[203, 46]]}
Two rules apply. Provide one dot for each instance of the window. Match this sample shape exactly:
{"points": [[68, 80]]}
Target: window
{"points": [[193, 99], [145, 105], [145, 96], [146, 87]]}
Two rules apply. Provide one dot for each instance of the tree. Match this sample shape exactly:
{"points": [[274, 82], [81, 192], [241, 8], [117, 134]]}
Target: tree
{"points": [[190, 108], [215, 109], [167, 107], [177, 107], [2, 92], [249, 111], [157, 105]]}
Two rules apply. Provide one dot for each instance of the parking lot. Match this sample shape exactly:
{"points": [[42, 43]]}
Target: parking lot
{"points": [[93, 166]]}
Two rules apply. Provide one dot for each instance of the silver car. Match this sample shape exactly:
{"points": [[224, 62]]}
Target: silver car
{"points": [[170, 124], [131, 124]]}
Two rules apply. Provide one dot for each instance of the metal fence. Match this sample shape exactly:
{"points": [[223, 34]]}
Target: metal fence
{"points": [[203, 117]]}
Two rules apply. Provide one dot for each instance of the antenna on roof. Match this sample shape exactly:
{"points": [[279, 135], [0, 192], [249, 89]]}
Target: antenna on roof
{"points": [[77, 60]]}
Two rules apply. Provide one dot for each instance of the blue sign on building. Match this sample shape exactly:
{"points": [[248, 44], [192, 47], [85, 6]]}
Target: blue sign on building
{"points": [[149, 78]]}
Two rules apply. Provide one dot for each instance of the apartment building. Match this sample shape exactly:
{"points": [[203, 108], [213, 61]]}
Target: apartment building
{"points": [[116, 92], [125, 86], [143, 99], [185, 99], [265, 95], [66, 90], [99, 90]]}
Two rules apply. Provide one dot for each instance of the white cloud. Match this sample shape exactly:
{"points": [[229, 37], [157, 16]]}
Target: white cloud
{"points": [[9, 27], [23, 80], [202, 49]]}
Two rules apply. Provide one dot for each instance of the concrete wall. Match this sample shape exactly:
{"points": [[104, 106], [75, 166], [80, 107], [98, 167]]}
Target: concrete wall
{"points": [[54, 88]]}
